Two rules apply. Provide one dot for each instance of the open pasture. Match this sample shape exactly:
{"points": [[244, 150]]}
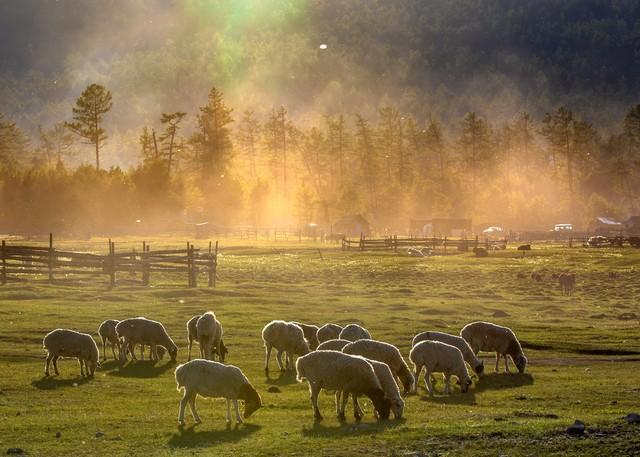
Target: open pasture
{"points": [[583, 350]]}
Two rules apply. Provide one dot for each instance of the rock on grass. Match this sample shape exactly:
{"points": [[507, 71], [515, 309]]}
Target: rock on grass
{"points": [[576, 429]]}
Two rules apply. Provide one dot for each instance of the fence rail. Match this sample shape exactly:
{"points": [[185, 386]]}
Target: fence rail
{"points": [[38, 260], [395, 242]]}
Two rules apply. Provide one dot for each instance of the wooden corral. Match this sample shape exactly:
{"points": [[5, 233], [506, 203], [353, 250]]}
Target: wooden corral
{"points": [[41, 260]]}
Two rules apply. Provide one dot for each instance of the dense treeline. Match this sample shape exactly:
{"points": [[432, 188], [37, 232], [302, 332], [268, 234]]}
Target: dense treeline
{"points": [[268, 170]]}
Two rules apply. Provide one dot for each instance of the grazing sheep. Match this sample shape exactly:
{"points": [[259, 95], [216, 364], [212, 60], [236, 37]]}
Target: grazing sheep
{"points": [[69, 343], [389, 386], [328, 332], [215, 380], [192, 335], [354, 332], [140, 330], [467, 353], [286, 337], [107, 332], [343, 373], [332, 345], [567, 283], [383, 352], [310, 333], [485, 336], [436, 356], [209, 331], [524, 248]]}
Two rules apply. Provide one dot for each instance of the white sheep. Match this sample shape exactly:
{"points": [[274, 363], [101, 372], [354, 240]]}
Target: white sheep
{"points": [[454, 340], [345, 374], [437, 357], [215, 380], [107, 332], [332, 345], [192, 335], [354, 332], [485, 336], [328, 332], [310, 333], [140, 330], [386, 353], [286, 337], [69, 343], [209, 331], [389, 386]]}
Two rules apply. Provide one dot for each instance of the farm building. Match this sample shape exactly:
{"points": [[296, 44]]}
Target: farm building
{"points": [[440, 227], [633, 225], [606, 226], [352, 225]]}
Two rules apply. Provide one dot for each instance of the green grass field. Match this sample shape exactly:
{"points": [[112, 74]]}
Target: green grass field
{"points": [[584, 356]]}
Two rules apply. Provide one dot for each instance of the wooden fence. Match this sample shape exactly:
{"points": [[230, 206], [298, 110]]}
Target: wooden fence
{"points": [[51, 262], [394, 243]]}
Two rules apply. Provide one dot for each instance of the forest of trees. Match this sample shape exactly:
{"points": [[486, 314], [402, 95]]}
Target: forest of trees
{"points": [[521, 114], [242, 168]]}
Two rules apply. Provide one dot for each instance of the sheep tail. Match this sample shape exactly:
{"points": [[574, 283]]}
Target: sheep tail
{"points": [[180, 375], [300, 371]]}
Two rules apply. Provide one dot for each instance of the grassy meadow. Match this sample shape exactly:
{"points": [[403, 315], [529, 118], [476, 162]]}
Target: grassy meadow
{"points": [[583, 350]]}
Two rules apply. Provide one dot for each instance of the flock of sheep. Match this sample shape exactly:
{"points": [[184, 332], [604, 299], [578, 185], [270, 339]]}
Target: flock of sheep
{"points": [[345, 360]]}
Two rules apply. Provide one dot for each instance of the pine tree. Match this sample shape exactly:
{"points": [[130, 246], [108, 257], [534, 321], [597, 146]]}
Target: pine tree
{"points": [[475, 142], [146, 145], [91, 106], [168, 137], [56, 143], [13, 143], [248, 135], [277, 131]]}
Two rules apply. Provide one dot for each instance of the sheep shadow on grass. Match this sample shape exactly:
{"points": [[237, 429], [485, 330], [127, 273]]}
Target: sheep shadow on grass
{"points": [[283, 378], [456, 398], [189, 437], [502, 381], [349, 428], [142, 369], [55, 382]]}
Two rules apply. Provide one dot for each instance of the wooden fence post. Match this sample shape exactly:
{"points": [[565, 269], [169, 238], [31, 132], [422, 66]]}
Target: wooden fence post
{"points": [[445, 244], [194, 267], [189, 265], [361, 241], [50, 263], [213, 265], [112, 263], [145, 263], [395, 243], [476, 242], [3, 278]]}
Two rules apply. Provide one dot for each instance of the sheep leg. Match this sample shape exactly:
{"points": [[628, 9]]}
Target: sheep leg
{"points": [[357, 412], [46, 364], [154, 352], [183, 405], [55, 364], [497, 362], [104, 348], [190, 344], [141, 351], [447, 383], [339, 410], [416, 377], [506, 363], [315, 390], [81, 367], [267, 351], [279, 359], [207, 350], [192, 407], [238, 416], [427, 382]]}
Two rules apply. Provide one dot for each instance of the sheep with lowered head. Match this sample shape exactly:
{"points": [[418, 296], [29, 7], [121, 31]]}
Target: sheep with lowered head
{"points": [[107, 332], [209, 331], [485, 336], [192, 335], [469, 356], [310, 333], [214, 380], [140, 330], [354, 332], [386, 353], [436, 357], [332, 345], [328, 332], [286, 337], [389, 386], [342, 373], [69, 343]]}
